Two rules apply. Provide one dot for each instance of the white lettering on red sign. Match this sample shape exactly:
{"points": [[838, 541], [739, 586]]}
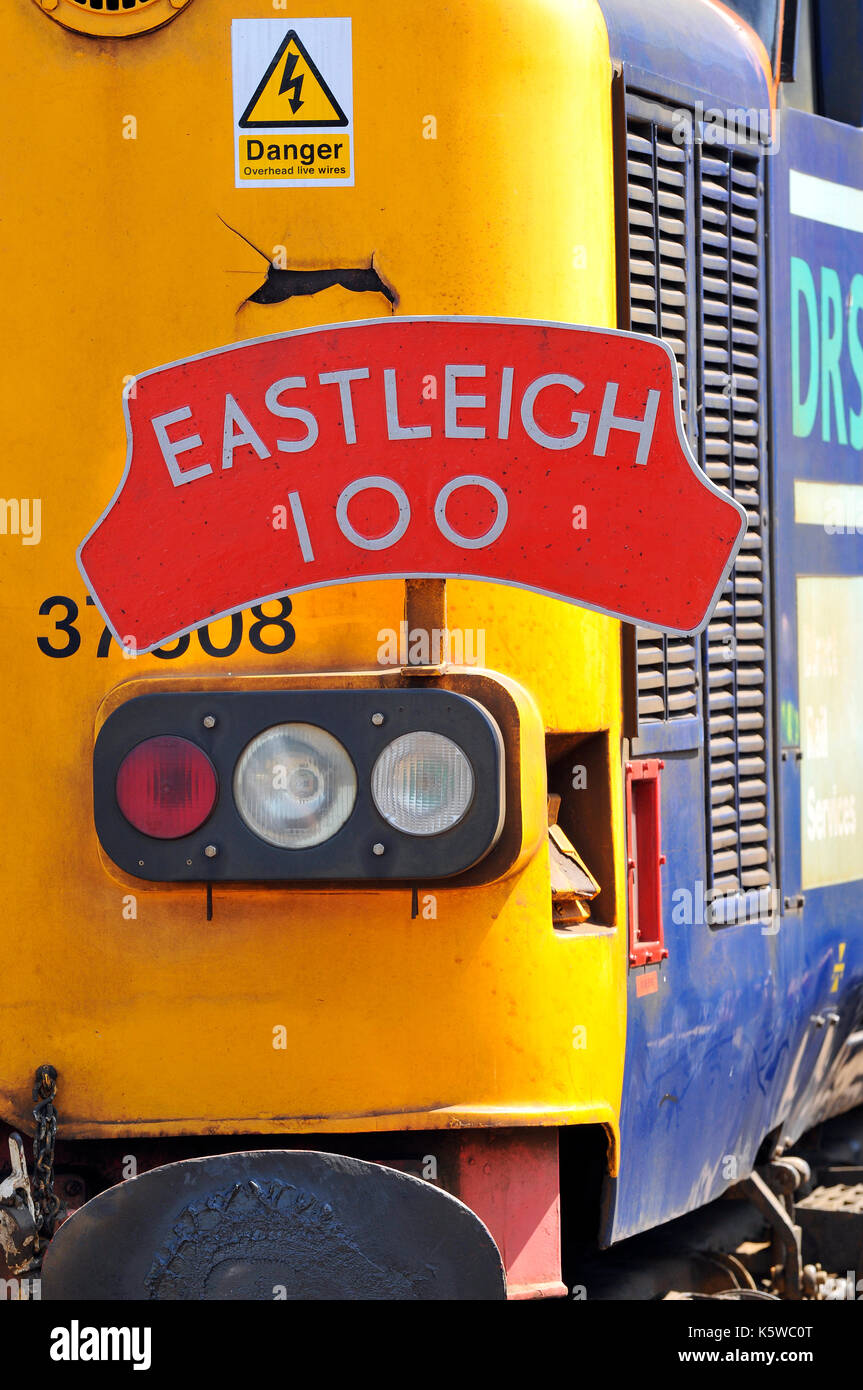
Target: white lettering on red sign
{"points": [[239, 430]]}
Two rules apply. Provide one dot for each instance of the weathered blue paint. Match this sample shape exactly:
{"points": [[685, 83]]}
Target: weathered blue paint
{"points": [[830, 151], [725, 1052], [685, 48]]}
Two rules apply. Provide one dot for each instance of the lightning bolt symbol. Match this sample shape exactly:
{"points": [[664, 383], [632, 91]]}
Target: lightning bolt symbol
{"points": [[291, 83]]}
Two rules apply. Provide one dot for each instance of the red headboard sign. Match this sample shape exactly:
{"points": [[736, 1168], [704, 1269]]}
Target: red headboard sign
{"points": [[540, 455]]}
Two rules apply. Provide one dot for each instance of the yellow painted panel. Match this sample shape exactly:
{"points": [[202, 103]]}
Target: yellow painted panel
{"points": [[483, 186]]}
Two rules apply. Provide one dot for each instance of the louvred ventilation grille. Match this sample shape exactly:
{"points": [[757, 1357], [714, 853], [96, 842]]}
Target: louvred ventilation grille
{"points": [[720, 366]]}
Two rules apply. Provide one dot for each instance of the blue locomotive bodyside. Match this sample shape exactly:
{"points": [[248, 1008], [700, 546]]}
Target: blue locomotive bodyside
{"points": [[745, 242], [816, 271]]}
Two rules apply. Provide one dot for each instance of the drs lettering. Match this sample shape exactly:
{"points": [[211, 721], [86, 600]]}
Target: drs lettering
{"points": [[268, 633]]}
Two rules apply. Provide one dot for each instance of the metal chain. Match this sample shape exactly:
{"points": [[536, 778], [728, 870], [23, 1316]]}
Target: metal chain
{"points": [[45, 1200]]}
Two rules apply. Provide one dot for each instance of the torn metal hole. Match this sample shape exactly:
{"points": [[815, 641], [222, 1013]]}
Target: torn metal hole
{"points": [[280, 285], [284, 284]]}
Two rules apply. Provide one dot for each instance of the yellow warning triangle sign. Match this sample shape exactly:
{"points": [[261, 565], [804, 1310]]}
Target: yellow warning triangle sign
{"points": [[292, 92]]}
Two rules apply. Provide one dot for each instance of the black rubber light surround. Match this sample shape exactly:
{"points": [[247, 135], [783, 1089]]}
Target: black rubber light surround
{"points": [[224, 725]]}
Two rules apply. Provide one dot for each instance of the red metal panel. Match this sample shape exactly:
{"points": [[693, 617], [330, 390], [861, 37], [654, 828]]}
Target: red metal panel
{"points": [[511, 1179], [644, 861]]}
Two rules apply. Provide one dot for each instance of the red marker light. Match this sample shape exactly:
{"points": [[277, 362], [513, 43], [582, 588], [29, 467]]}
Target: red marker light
{"points": [[166, 787]]}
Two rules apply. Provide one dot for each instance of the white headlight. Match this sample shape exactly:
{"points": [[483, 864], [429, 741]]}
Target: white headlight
{"points": [[295, 785], [422, 783]]}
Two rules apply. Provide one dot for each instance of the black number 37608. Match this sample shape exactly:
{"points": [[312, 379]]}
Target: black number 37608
{"points": [[269, 634]]}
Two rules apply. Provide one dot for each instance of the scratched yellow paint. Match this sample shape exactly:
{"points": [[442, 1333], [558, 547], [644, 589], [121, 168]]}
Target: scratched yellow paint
{"points": [[119, 167]]}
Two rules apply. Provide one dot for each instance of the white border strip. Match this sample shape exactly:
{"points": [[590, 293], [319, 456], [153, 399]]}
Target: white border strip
{"points": [[821, 200]]}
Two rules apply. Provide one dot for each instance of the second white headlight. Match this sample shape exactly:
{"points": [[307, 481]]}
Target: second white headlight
{"points": [[295, 785], [422, 783]]}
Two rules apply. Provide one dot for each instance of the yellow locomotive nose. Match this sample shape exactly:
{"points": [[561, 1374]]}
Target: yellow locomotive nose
{"points": [[218, 998]]}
